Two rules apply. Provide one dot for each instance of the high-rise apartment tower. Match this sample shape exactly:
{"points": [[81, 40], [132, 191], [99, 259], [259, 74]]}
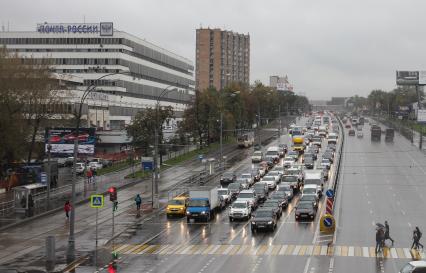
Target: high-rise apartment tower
{"points": [[222, 57]]}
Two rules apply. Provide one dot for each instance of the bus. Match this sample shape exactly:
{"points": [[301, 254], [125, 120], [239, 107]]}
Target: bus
{"points": [[245, 140]]}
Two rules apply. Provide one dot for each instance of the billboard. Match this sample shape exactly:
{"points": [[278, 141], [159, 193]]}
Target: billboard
{"points": [[411, 77], [421, 115], [62, 140]]}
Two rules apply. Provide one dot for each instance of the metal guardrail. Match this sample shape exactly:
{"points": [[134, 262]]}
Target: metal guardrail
{"points": [[7, 207], [342, 140]]}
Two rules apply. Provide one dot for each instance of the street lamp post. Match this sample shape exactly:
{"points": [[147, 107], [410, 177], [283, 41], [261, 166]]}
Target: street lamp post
{"points": [[155, 199], [70, 254], [49, 175], [221, 140]]}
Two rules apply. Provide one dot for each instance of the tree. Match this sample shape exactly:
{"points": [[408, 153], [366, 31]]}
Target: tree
{"points": [[142, 130], [26, 94]]}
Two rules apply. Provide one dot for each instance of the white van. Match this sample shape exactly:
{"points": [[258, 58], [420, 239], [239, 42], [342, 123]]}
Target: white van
{"points": [[322, 131], [273, 152], [311, 189], [332, 138], [314, 177]]}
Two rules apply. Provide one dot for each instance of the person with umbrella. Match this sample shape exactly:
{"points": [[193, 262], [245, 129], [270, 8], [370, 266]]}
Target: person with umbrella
{"points": [[380, 237]]}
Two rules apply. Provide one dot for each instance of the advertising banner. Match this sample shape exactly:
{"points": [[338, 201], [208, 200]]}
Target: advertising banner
{"points": [[62, 140], [421, 115]]}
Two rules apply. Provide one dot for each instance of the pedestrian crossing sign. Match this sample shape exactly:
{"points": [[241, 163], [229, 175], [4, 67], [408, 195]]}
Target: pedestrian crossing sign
{"points": [[97, 201]]}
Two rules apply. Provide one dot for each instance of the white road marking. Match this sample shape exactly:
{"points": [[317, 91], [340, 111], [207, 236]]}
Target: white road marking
{"points": [[308, 262]]}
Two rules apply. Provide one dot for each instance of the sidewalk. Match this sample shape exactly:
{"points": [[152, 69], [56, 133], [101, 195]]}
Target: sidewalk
{"points": [[23, 245]]}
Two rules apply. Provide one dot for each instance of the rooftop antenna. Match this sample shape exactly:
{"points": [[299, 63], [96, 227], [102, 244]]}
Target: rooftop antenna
{"points": [[2, 26], [84, 18], [8, 26]]}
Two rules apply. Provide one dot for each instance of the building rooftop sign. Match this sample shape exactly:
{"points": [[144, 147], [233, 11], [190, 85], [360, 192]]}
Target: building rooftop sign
{"points": [[104, 28]]}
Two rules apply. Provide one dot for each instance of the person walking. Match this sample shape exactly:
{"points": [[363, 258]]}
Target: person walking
{"points": [[138, 201], [67, 209], [89, 175], [387, 234], [417, 234], [94, 174], [380, 235]]}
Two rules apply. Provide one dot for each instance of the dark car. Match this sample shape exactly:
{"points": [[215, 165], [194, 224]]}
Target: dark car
{"points": [[293, 180], [305, 210], [281, 197], [310, 153], [255, 172], [287, 189], [261, 190], [274, 205], [309, 163], [328, 155], [264, 219], [227, 178], [351, 132], [311, 199], [284, 148], [234, 189]]}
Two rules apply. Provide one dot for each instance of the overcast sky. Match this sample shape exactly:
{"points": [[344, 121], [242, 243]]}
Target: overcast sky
{"points": [[327, 47]]}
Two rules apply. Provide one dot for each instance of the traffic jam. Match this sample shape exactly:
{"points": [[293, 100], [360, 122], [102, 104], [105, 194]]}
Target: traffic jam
{"points": [[277, 174]]}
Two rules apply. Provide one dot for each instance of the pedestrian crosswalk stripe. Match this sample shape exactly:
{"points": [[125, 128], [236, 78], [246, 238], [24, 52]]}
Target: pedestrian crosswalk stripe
{"points": [[351, 251], [407, 252], [323, 250], [282, 250], [365, 252], [317, 251], [265, 250]]}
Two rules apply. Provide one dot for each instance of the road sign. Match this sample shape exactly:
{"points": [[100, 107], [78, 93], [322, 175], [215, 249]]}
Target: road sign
{"points": [[329, 193], [200, 157], [329, 206], [97, 201], [327, 224], [43, 178], [147, 165]]}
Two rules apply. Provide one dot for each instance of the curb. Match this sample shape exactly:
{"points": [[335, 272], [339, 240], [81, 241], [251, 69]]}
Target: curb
{"points": [[53, 211]]}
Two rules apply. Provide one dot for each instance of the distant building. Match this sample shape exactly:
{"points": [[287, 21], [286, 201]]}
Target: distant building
{"points": [[337, 101], [280, 83], [222, 57], [84, 52]]}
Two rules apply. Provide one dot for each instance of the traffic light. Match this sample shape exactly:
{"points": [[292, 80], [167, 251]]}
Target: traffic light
{"points": [[112, 194], [112, 267]]}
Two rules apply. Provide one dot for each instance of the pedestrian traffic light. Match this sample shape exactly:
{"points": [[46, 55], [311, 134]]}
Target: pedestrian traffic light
{"points": [[112, 267], [112, 194]]}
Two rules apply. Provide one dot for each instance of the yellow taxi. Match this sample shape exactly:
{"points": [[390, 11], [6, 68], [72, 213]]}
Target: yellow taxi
{"points": [[177, 206]]}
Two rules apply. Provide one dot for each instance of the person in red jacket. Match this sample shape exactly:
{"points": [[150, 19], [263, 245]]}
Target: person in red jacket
{"points": [[67, 209]]}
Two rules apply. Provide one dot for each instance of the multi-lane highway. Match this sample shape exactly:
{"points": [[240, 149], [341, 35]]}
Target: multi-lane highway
{"points": [[164, 245], [378, 181]]}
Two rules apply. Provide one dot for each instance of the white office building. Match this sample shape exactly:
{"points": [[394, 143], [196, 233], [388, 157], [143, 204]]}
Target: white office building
{"points": [[83, 53]]}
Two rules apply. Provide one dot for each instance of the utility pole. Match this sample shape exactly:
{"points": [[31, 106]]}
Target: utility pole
{"points": [[279, 117], [156, 204], [419, 107], [221, 140], [49, 174], [258, 127]]}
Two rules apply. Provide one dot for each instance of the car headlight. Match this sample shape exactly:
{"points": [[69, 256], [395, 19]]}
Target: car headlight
{"points": [[203, 212], [253, 223], [270, 222], [180, 208], [188, 213]]}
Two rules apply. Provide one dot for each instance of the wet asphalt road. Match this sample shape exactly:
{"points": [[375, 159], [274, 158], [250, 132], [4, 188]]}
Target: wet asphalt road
{"points": [[378, 181], [173, 245]]}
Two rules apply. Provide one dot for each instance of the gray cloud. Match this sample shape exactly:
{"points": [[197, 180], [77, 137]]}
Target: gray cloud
{"points": [[328, 48]]}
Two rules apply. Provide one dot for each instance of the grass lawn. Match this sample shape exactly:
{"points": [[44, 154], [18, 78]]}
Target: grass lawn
{"points": [[184, 157], [117, 167]]}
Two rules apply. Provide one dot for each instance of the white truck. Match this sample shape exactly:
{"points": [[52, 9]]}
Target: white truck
{"points": [[203, 203]]}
